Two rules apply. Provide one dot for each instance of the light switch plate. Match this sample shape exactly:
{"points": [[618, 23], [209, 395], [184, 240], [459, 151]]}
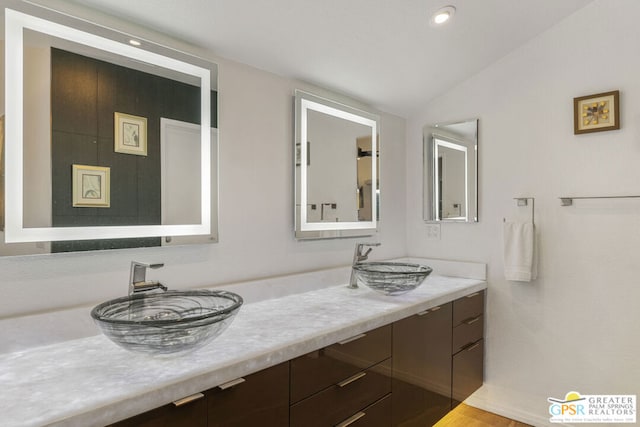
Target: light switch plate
{"points": [[433, 231]]}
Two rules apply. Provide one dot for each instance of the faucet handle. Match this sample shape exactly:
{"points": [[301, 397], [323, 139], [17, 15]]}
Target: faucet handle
{"points": [[137, 276], [358, 257], [359, 247]]}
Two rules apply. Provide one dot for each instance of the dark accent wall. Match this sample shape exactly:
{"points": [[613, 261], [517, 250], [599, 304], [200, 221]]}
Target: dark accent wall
{"points": [[85, 94]]}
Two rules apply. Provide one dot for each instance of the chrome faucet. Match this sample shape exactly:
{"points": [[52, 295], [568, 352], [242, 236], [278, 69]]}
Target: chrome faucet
{"points": [[138, 281], [358, 257]]}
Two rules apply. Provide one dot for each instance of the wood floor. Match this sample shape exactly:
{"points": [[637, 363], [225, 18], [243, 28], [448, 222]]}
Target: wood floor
{"points": [[467, 416]]}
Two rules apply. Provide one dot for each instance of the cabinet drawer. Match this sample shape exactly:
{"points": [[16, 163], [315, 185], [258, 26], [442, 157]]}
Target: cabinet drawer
{"points": [[469, 331], [376, 415], [468, 307], [261, 399], [320, 369], [341, 401], [191, 414], [468, 371]]}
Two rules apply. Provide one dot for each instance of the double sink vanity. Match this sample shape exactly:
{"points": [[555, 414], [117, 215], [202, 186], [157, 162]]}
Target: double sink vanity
{"points": [[320, 354], [331, 355]]}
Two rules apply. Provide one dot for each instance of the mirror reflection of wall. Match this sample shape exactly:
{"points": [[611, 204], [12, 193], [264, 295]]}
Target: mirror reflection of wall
{"points": [[450, 172], [336, 184], [74, 94], [85, 94]]}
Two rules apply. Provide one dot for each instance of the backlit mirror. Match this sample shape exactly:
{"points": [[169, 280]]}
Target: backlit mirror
{"points": [[107, 144], [451, 172], [336, 163]]}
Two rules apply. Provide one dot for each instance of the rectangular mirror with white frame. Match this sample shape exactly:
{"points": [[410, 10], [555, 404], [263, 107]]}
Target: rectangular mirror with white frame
{"points": [[336, 169], [450, 169], [110, 140]]}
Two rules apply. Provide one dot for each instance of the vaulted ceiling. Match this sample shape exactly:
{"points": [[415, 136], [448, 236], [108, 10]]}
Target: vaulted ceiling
{"points": [[383, 52]]}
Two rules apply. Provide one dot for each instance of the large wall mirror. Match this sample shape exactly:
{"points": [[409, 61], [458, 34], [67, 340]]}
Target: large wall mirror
{"points": [[451, 172], [110, 140], [336, 163]]}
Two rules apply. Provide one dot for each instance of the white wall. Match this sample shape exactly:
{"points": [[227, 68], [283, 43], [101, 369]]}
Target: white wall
{"points": [[577, 326], [256, 209]]}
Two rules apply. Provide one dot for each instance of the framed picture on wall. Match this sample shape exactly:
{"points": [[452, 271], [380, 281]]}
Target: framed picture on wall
{"points": [[91, 186], [130, 134], [596, 113]]}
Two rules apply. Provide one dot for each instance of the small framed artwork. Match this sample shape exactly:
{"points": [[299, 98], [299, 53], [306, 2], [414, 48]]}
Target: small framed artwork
{"points": [[91, 186], [130, 134], [596, 113]]}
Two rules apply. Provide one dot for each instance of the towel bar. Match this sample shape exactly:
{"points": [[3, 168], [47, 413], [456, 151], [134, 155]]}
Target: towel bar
{"points": [[568, 200], [524, 201]]}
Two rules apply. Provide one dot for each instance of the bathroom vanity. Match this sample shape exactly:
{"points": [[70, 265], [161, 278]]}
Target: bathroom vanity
{"points": [[323, 356], [408, 373]]}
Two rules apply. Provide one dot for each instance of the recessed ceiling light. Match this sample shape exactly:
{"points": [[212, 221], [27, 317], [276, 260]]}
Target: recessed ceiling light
{"points": [[134, 42], [443, 15]]}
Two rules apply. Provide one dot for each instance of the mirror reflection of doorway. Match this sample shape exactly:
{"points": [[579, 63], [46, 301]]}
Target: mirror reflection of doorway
{"points": [[452, 192], [439, 186]]}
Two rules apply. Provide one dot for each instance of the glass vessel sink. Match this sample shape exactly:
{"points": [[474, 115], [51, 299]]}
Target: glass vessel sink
{"points": [[172, 322], [391, 278]]}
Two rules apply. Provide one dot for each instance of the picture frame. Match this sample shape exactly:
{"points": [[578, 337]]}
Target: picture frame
{"points": [[91, 186], [130, 134], [596, 113]]}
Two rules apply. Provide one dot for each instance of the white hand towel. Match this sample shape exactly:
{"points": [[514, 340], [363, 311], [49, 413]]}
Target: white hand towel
{"points": [[520, 251]]}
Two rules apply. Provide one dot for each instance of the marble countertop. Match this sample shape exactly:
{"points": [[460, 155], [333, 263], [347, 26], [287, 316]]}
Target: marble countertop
{"points": [[93, 382]]}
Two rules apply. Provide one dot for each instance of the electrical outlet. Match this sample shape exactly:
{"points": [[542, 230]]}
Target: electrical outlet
{"points": [[433, 231]]}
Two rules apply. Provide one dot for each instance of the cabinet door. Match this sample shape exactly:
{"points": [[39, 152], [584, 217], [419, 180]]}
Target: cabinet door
{"points": [[320, 369], [191, 414], [468, 371], [261, 400], [422, 367]]}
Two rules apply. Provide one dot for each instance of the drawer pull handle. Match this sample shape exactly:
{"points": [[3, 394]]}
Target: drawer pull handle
{"points": [[473, 295], [352, 379], [231, 383], [188, 399], [431, 310], [472, 346], [351, 419], [348, 340], [472, 321]]}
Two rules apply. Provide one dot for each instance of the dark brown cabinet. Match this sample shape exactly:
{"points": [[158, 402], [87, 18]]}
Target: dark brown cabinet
{"points": [[467, 371], [261, 399], [406, 374], [343, 401], [343, 384], [422, 367], [192, 413], [320, 369], [258, 399], [376, 415], [468, 346]]}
